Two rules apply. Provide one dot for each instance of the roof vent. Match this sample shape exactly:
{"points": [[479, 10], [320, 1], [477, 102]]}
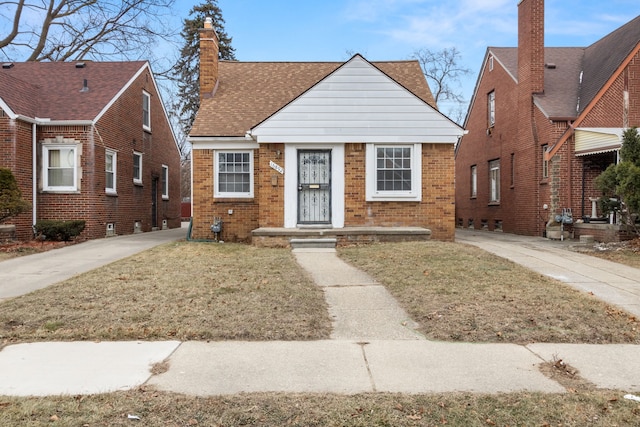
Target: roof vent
{"points": [[550, 65], [85, 86], [80, 65], [7, 65]]}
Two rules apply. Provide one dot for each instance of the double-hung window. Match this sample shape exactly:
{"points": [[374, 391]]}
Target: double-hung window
{"points": [[137, 167], [60, 167], [110, 169], [394, 172], [491, 109], [233, 173], [165, 181], [494, 181], [146, 111]]}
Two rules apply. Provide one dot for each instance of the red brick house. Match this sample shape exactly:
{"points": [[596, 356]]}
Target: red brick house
{"points": [[354, 151], [89, 141], [542, 124]]}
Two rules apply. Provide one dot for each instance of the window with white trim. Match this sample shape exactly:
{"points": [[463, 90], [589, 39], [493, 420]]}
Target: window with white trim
{"points": [[60, 167], [137, 167], [146, 111], [394, 172], [233, 171], [545, 162], [110, 169], [165, 181], [494, 181], [491, 108], [474, 181]]}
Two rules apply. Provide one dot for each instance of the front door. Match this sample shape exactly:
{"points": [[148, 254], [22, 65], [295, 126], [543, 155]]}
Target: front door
{"points": [[314, 186]]}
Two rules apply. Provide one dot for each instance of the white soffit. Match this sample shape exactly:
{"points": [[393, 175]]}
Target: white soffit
{"points": [[357, 103]]}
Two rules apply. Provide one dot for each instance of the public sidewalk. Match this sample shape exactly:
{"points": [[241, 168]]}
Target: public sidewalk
{"points": [[374, 348]]}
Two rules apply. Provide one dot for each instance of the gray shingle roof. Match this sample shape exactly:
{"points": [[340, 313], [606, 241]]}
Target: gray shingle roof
{"points": [[564, 95]]}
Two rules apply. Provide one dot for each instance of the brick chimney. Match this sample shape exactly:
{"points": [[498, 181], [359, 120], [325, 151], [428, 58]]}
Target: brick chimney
{"points": [[208, 59], [531, 45]]}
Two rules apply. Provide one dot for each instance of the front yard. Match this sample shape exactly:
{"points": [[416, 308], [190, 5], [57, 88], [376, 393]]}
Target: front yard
{"points": [[200, 291]]}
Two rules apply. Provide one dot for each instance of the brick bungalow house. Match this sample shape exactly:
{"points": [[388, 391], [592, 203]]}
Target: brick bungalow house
{"points": [[542, 124], [353, 151], [89, 141]]}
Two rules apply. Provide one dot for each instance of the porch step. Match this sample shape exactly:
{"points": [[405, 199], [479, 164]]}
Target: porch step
{"points": [[313, 243]]}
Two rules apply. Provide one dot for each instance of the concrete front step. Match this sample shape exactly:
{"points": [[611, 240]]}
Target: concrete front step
{"points": [[313, 243]]}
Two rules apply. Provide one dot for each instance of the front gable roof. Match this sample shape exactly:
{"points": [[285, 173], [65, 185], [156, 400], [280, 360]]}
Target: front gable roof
{"points": [[357, 102], [250, 92], [53, 90]]}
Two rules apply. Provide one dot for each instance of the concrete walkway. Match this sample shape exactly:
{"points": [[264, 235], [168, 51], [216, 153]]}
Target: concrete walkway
{"points": [[374, 348]]}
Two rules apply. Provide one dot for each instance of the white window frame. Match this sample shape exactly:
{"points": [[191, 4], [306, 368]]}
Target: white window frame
{"points": [[373, 194], [474, 181], [137, 179], [165, 182], [494, 181], [216, 170], [46, 148], [491, 108], [146, 112], [114, 171], [545, 162]]}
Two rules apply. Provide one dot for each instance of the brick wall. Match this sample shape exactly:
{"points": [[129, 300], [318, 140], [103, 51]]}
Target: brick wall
{"points": [[16, 154], [238, 225], [435, 211]]}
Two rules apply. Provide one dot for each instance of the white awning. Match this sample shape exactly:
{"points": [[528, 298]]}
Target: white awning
{"points": [[597, 140]]}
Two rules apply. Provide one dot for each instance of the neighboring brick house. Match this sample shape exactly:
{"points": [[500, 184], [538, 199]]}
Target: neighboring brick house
{"points": [[280, 147], [542, 124], [89, 141]]}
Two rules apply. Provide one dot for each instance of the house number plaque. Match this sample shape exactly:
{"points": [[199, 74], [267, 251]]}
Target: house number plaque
{"points": [[276, 166]]}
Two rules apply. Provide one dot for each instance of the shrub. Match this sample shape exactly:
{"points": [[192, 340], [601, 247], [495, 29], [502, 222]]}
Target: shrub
{"points": [[11, 203], [59, 230]]}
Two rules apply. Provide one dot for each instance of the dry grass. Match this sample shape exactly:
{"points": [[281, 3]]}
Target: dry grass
{"points": [[595, 408], [461, 293], [184, 291], [627, 253]]}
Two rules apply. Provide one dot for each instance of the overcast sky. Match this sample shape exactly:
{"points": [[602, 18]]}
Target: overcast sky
{"points": [[332, 30]]}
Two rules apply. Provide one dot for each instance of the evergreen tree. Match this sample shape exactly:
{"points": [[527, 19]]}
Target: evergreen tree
{"points": [[11, 203], [186, 72]]}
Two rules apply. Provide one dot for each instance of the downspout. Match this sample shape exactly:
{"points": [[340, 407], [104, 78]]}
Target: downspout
{"points": [[34, 177]]}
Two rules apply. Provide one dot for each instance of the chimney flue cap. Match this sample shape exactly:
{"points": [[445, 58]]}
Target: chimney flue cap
{"points": [[208, 22]]}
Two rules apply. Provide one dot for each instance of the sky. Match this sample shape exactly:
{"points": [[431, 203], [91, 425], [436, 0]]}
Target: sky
{"points": [[334, 30]]}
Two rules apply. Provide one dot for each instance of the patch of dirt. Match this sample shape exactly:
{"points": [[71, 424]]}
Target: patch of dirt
{"points": [[566, 375], [16, 248]]}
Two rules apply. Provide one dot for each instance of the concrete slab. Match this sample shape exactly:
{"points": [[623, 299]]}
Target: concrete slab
{"points": [[427, 367], [55, 368], [327, 269], [220, 368], [367, 313], [614, 366]]}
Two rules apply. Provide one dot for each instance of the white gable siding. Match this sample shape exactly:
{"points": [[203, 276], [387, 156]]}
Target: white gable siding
{"points": [[357, 103]]}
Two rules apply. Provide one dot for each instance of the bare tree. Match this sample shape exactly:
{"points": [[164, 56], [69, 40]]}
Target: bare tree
{"points": [[65, 30], [443, 71]]}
